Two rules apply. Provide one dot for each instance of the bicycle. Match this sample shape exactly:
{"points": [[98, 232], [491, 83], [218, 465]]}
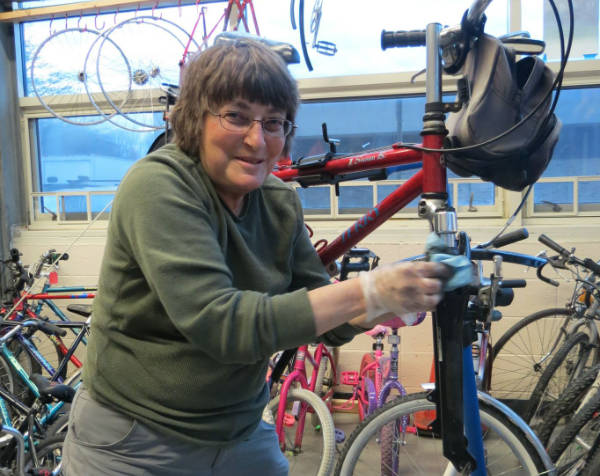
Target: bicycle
{"points": [[297, 396], [529, 355], [32, 291], [430, 182], [42, 422]]}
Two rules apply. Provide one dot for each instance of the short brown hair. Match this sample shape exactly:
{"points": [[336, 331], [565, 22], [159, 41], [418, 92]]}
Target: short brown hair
{"points": [[243, 69]]}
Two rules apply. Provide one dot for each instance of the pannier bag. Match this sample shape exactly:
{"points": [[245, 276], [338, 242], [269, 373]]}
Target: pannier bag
{"points": [[502, 92]]}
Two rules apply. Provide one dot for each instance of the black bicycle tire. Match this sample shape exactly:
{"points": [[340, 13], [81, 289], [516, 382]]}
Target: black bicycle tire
{"points": [[44, 447], [514, 369], [577, 340], [526, 321], [568, 434], [566, 404], [420, 403], [592, 462]]}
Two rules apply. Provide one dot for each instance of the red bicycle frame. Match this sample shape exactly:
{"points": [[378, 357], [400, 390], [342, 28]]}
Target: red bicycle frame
{"points": [[431, 179]]}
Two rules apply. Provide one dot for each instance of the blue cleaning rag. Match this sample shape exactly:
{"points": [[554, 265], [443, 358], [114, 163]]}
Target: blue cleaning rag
{"points": [[437, 251]]}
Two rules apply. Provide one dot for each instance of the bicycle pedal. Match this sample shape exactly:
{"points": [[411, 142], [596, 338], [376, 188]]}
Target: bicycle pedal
{"points": [[326, 48], [289, 420], [349, 378]]}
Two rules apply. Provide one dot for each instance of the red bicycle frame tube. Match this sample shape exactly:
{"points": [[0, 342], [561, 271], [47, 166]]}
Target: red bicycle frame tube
{"points": [[431, 179]]}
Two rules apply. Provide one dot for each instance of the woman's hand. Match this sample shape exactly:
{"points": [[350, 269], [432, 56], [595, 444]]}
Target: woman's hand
{"points": [[401, 288]]}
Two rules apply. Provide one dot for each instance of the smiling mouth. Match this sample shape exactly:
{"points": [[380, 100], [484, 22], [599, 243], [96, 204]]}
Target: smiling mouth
{"points": [[250, 160]]}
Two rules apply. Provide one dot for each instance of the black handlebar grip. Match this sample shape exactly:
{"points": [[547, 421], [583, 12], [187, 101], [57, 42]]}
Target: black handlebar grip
{"points": [[402, 38], [592, 266], [554, 245], [504, 297], [512, 237], [513, 283], [49, 328]]}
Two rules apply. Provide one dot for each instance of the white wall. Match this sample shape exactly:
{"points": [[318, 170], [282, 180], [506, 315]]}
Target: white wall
{"points": [[392, 242]]}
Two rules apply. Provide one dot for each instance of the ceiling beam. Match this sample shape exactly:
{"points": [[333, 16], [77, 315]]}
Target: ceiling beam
{"points": [[74, 10]]}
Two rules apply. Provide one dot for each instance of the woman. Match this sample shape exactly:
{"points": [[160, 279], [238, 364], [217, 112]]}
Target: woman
{"points": [[208, 270]]}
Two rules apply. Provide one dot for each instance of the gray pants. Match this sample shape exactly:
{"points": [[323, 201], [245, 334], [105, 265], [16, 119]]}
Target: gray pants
{"points": [[101, 441]]}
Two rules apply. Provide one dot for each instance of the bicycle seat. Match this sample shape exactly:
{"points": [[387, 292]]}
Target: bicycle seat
{"points": [[84, 310], [288, 53], [378, 330]]}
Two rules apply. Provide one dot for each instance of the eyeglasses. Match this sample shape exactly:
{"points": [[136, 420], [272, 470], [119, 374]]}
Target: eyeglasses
{"points": [[239, 122]]}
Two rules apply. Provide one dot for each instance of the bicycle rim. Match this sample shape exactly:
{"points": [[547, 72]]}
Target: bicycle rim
{"points": [[508, 451], [523, 352], [317, 451], [151, 65], [57, 76]]}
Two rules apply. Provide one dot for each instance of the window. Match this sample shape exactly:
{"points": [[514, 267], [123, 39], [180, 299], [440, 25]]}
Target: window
{"points": [[571, 183], [73, 180], [360, 125]]}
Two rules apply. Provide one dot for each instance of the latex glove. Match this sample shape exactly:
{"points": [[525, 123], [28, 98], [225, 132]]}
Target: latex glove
{"points": [[402, 288]]}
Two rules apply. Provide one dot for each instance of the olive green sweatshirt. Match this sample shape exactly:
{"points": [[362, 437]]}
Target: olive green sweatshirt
{"points": [[193, 300]]}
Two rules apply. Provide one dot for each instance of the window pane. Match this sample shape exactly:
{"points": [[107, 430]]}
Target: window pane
{"points": [[355, 200], [589, 196], [472, 194], [73, 207], [315, 200], [384, 190], [101, 204], [553, 197], [577, 153], [538, 19], [93, 157]]}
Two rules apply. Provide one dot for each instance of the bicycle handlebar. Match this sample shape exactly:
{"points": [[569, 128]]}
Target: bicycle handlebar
{"points": [[402, 38], [554, 245], [508, 238]]}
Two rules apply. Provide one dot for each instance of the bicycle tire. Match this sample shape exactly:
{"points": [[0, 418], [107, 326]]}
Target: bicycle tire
{"points": [[323, 386], [49, 454], [522, 353], [323, 453], [567, 364], [592, 463], [517, 452], [566, 405], [564, 451]]}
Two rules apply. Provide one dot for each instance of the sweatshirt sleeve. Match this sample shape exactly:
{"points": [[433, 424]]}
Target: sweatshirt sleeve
{"points": [[170, 231], [309, 272]]}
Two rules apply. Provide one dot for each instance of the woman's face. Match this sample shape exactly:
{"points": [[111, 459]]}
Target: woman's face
{"points": [[238, 160]]}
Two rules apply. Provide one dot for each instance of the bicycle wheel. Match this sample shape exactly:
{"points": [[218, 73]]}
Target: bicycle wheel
{"points": [[49, 454], [523, 352], [592, 463], [508, 449], [60, 80], [152, 64], [568, 363], [562, 411], [314, 453], [574, 442]]}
